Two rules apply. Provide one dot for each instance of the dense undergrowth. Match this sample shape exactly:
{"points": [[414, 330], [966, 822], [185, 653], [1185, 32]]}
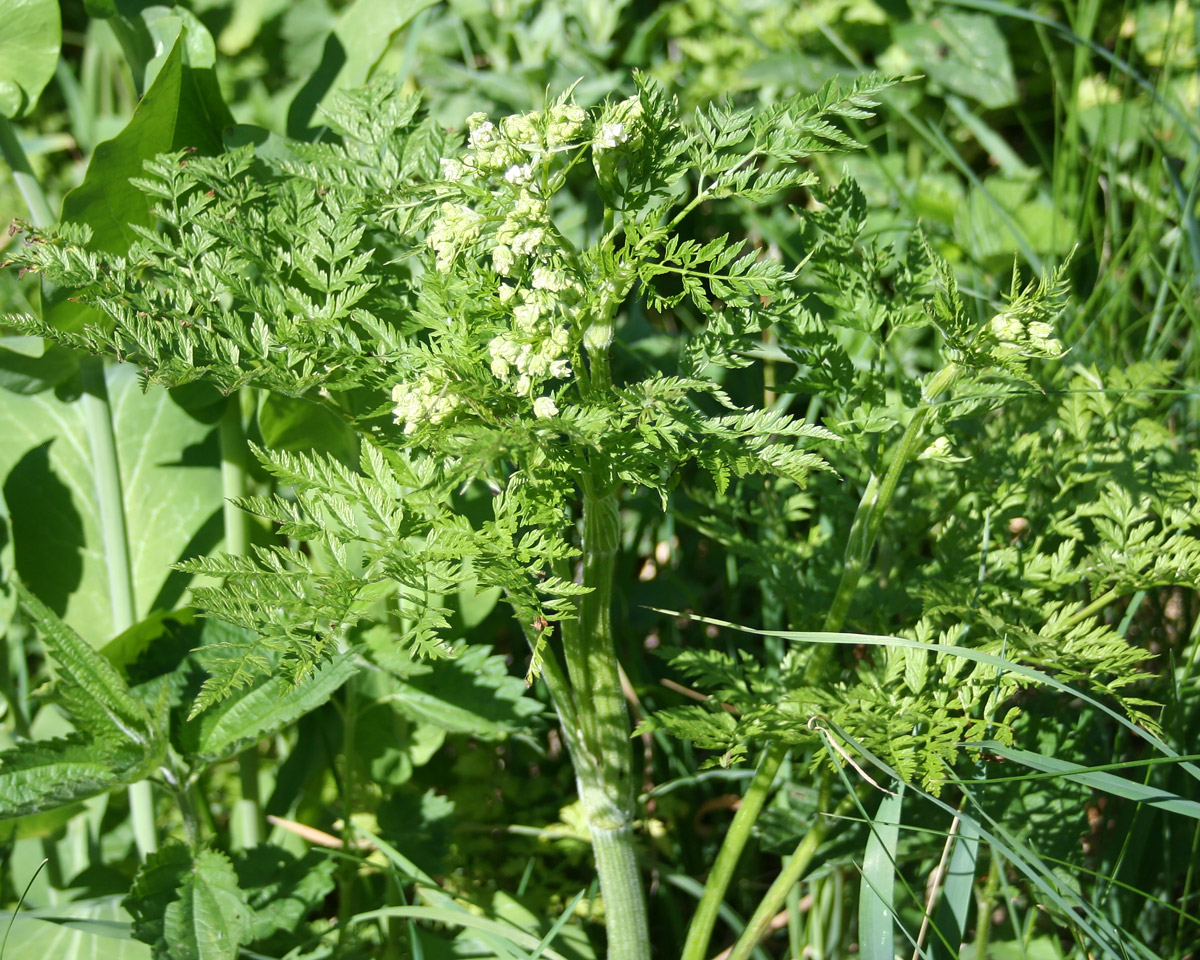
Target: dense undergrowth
{"points": [[581, 479]]}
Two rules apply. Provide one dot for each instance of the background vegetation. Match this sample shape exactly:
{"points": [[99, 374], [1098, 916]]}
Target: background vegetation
{"points": [[1030, 139]]}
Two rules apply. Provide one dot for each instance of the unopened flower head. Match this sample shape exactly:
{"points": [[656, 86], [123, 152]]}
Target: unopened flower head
{"points": [[565, 124], [522, 130], [457, 227], [422, 401], [1017, 338], [544, 408]]}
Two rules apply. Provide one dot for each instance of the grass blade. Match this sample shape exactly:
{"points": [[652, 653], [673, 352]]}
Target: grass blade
{"points": [[876, 910]]}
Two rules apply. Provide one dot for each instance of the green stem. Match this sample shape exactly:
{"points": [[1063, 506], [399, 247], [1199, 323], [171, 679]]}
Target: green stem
{"points": [[604, 766], [701, 928], [795, 868], [31, 190], [110, 498], [1092, 608], [245, 824], [348, 869]]}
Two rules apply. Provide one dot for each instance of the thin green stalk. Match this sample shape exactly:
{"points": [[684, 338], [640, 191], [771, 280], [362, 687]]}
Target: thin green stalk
{"points": [[700, 930], [795, 868], [348, 869], [245, 825], [872, 508], [110, 498], [31, 190]]}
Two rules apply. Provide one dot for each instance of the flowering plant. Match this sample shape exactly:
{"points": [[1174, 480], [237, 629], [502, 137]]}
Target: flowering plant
{"points": [[405, 263]]}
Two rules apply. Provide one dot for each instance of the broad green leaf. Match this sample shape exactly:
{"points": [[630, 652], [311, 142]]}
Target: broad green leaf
{"points": [[170, 481], [252, 713], [281, 888], [38, 825], [876, 909], [181, 109], [41, 776], [189, 908], [473, 693], [29, 45], [211, 918], [34, 370], [82, 930], [965, 53], [302, 426], [360, 38]]}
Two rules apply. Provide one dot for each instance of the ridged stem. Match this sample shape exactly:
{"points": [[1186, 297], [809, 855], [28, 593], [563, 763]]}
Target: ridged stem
{"points": [[604, 768]]}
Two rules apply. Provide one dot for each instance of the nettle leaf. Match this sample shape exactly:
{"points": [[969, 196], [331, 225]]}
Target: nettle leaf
{"points": [[89, 686], [189, 907], [246, 716], [120, 738], [52, 773]]}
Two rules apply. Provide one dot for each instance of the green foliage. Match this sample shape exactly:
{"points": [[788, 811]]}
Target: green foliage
{"points": [[28, 52], [687, 335], [188, 906], [120, 738]]}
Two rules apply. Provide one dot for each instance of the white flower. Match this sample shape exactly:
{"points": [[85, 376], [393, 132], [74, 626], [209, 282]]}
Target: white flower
{"points": [[610, 136], [544, 407], [452, 170], [550, 278], [519, 173], [527, 241], [483, 131], [560, 369], [502, 260]]}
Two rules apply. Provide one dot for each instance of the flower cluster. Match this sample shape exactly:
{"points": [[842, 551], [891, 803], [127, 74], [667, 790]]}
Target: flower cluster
{"points": [[422, 401], [1015, 337], [456, 228], [540, 289], [619, 124], [537, 345]]}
